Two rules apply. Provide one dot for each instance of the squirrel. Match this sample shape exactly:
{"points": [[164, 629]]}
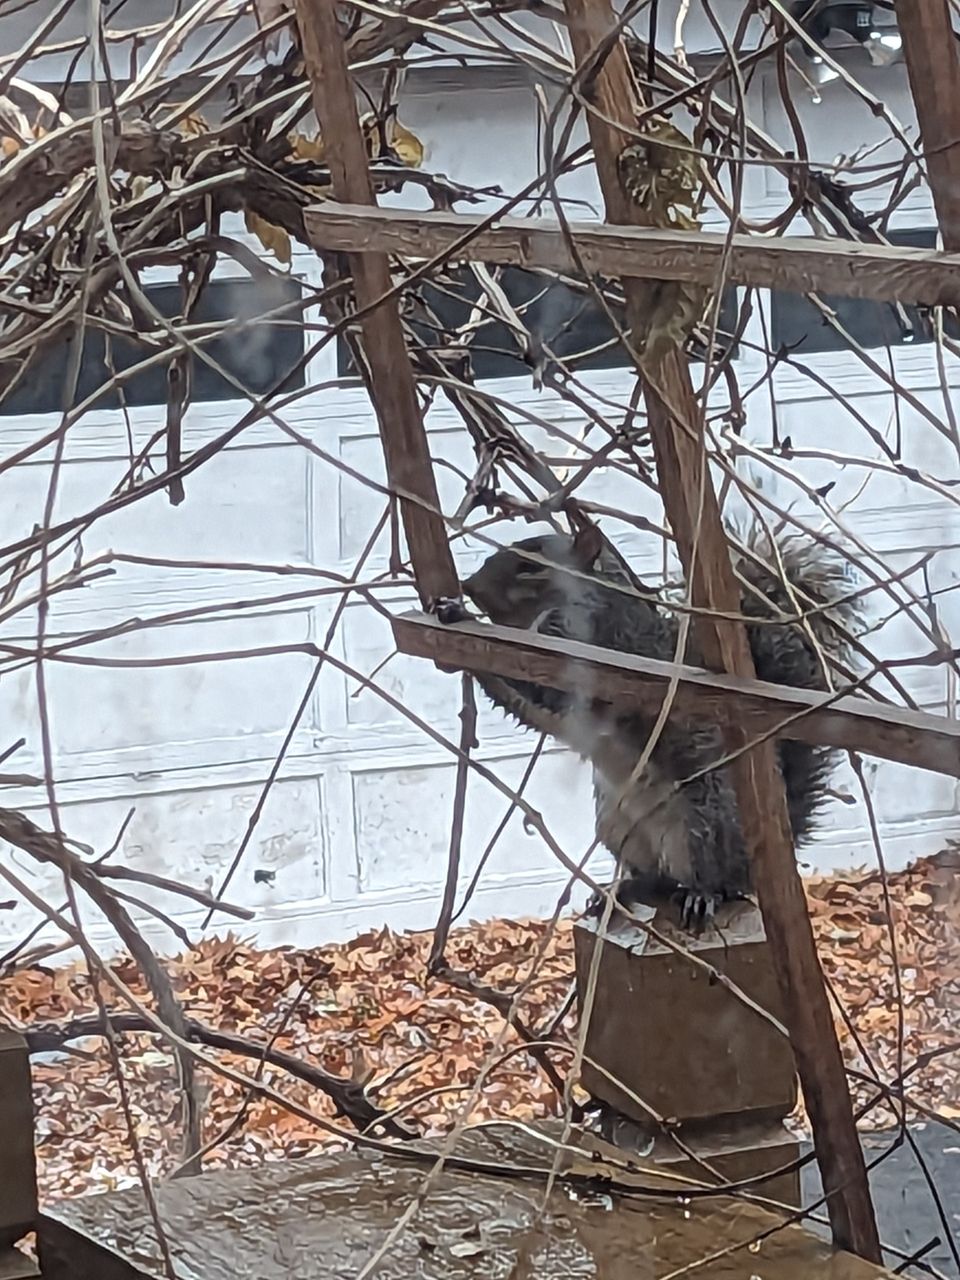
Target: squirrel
{"points": [[674, 829]]}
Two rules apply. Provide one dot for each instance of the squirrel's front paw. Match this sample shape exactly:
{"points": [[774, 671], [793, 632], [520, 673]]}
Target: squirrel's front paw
{"points": [[594, 908], [632, 891], [622, 900]]}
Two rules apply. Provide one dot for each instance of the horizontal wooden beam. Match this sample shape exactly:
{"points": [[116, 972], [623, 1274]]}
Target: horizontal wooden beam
{"points": [[793, 263], [857, 724]]}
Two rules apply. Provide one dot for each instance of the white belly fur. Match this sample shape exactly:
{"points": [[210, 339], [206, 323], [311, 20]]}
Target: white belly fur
{"points": [[646, 828]]}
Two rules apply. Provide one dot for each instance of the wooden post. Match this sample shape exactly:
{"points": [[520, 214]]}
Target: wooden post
{"points": [[18, 1168], [723, 1075], [692, 509], [933, 65], [409, 467]]}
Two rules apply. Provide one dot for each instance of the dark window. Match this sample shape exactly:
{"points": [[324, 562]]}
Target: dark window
{"points": [[800, 326], [567, 320], [259, 356]]}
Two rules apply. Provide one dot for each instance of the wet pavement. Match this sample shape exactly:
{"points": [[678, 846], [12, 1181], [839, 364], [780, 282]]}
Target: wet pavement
{"points": [[329, 1217], [325, 1217], [907, 1213]]}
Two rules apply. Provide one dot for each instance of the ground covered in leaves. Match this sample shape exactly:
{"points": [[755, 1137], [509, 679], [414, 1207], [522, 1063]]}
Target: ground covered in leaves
{"points": [[366, 1011]]}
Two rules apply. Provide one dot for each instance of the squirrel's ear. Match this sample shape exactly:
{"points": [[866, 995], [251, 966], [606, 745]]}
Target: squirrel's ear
{"points": [[587, 545]]}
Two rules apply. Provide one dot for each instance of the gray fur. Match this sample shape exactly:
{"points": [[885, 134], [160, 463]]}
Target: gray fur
{"points": [[675, 828]]}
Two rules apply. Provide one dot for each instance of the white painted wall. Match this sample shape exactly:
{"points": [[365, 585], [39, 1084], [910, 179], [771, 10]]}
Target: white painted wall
{"points": [[355, 833]]}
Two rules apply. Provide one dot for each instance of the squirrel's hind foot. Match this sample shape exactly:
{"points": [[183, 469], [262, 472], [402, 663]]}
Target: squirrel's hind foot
{"points": [[697, 910]]}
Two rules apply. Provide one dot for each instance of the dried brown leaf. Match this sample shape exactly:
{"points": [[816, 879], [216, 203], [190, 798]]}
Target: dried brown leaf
{"points": [[274, 239]]}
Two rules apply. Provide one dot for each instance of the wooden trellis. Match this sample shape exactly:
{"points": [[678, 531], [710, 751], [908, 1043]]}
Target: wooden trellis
{"points": [[618, 247], [845, 269]]}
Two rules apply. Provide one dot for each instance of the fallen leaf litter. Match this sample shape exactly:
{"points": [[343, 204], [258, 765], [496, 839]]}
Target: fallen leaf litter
{"points": [[365, 1010]]}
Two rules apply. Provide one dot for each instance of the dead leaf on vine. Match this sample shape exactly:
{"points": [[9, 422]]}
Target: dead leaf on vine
{"points": [[193, 126], [406, 146], [304, 148], [274, 239]]}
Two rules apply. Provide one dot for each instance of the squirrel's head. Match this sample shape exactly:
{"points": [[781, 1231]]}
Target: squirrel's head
{"points": [[516, 584]]}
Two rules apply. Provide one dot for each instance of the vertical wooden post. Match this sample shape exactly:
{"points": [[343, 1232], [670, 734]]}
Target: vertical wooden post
{"points": [[409, 467], [18, 1167], [933, 65], [694, 514]]}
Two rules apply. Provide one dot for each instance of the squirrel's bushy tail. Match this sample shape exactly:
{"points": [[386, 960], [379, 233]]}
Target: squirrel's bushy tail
{"points": [[794, 578], [807, 593]]}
